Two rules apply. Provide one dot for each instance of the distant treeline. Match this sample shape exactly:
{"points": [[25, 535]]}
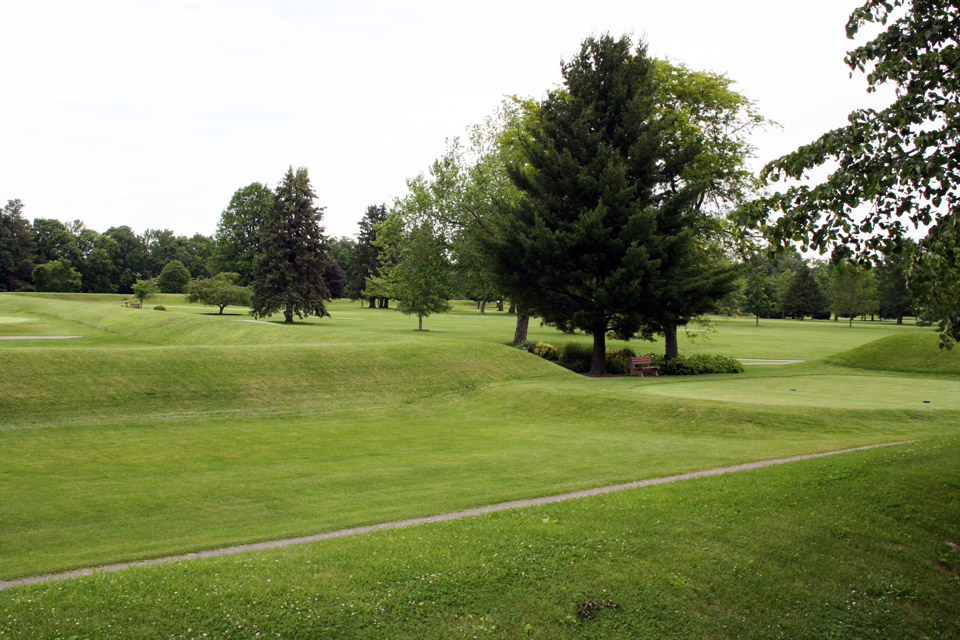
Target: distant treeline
{"points": [[49, 255]]}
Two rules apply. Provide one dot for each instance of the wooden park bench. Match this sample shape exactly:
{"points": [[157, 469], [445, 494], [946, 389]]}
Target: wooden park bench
{"points": [[134, 305], [640, 365]]}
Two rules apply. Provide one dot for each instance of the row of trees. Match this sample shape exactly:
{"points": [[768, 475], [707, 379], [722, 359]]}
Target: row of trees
{"points": [[787, 286], [606, 206], [49, 255]]}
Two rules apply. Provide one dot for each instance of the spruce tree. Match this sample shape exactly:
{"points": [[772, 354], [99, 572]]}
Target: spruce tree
{"points": [[16, 248], [288, 274], [366, 256], [605, 232]]}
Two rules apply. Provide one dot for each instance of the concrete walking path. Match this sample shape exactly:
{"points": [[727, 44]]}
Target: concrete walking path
{"points": [[38, 337], [440, 517], [755, 361]]}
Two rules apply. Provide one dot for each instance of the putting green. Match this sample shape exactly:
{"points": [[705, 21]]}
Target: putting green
{"points": [[826, 391]]}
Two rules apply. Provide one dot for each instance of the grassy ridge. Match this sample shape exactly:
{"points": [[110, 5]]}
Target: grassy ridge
{"points": [[912, 352], [60, 386], [853, 546]]}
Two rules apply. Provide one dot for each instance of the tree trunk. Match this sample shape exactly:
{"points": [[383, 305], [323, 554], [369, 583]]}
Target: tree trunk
{"points": [[386, 303], [288, 316], [598, 361], [500, 304], [757, 323], [900, 318], [513, 307], [373, 303], [836, 317], [670, 342], [483, 305], [851, 321], [420, 320], [221, 309], [523, 320]]}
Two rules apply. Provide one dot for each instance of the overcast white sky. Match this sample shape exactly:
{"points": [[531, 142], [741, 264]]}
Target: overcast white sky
{"points": [[152, 113]]}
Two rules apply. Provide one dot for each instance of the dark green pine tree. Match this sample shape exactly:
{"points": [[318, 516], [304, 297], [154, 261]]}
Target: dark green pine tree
{"points": [[594, 239], [803, 296], [365, 262], [288, 274], [16, 248]]}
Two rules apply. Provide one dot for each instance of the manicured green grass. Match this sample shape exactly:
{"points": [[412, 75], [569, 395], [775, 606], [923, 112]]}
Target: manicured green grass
{"points": [[92, 493], [910, 352], [853, 546], [825, 390], [164, 432], [108, 323]]}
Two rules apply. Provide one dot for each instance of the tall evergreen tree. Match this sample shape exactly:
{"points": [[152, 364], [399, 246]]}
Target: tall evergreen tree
{"points": [[288, 274], [366, 256], [803, 296], [893, 296], [16, 248], [606, 231]]}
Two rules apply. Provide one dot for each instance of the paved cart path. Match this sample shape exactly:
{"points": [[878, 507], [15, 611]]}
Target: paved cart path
{"points": [[440, 517], [38, 337]]}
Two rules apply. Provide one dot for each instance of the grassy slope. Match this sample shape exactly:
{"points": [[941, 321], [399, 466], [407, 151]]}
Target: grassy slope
{"points": [[854, 546], [116, 447], [106, 445], [911, 352]]}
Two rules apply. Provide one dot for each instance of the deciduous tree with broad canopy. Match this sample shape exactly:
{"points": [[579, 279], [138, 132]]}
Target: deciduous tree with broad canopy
{"points": [[238, 232], [891, 170], [221, 291], [288, 275]]}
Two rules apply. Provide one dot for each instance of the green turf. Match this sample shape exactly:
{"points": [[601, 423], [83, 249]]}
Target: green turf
{"points": [[853, 546], [828, 391], [910, 352], [164, 432], [108, 323]]}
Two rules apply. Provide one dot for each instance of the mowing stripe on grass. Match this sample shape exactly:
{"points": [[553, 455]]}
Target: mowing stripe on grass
{"points": [[440, 517]]}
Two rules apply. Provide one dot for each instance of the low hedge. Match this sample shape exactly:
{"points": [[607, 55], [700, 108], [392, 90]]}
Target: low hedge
{"points": [[696, 364], [576, 356]]}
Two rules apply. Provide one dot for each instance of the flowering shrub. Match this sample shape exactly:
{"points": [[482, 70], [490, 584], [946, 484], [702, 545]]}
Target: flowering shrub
{"points": [[546, 351]]}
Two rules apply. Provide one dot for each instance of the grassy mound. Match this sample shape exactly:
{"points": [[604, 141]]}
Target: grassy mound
{"points": [[73, 385], [910, 352]]}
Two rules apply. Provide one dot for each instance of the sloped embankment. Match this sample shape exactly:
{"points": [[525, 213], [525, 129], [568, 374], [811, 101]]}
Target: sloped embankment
{"points": [[77, 385], [912, 353]]}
